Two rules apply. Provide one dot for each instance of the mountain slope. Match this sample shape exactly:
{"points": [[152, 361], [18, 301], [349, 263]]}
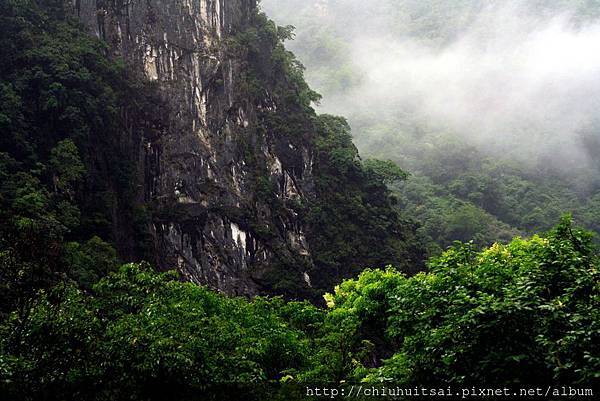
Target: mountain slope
{"points": [[199, 147]]}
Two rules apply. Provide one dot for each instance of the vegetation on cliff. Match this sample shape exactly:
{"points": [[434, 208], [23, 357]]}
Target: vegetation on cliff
{"points": [[351, 214], [61, 166]]}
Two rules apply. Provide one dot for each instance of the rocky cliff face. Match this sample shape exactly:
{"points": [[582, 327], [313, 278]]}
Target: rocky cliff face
{"points": [[212, 175], [247, 189]]}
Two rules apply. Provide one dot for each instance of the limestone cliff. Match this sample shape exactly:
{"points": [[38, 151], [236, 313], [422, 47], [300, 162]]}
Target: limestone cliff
{"points": [[195, 164], [229, 164]]}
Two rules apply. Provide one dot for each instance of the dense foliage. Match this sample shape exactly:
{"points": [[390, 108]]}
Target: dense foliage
{"points": [[522, 312], [458, 193], [141, 333], [58, 108], [352, 219], [354, 222]]}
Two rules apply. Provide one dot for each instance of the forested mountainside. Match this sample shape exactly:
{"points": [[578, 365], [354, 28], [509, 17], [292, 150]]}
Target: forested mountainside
{"points": [[178, 222], [499, 133], [195, 149]]}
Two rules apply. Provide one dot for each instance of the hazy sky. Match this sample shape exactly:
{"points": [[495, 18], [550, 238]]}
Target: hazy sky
{"points": [[492, 73]]}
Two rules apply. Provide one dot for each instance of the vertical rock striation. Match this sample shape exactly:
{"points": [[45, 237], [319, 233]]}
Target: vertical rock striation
{"points": [[202, 161]]}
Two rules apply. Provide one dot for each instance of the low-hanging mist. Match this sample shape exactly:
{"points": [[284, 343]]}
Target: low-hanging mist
{"points": [[518, 78]]}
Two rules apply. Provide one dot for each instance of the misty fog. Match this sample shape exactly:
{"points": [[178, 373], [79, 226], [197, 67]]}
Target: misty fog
{"points": [[518, 78]]}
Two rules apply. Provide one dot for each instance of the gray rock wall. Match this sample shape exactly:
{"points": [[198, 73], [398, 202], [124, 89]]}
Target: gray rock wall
{"points": [[214, 228]]}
